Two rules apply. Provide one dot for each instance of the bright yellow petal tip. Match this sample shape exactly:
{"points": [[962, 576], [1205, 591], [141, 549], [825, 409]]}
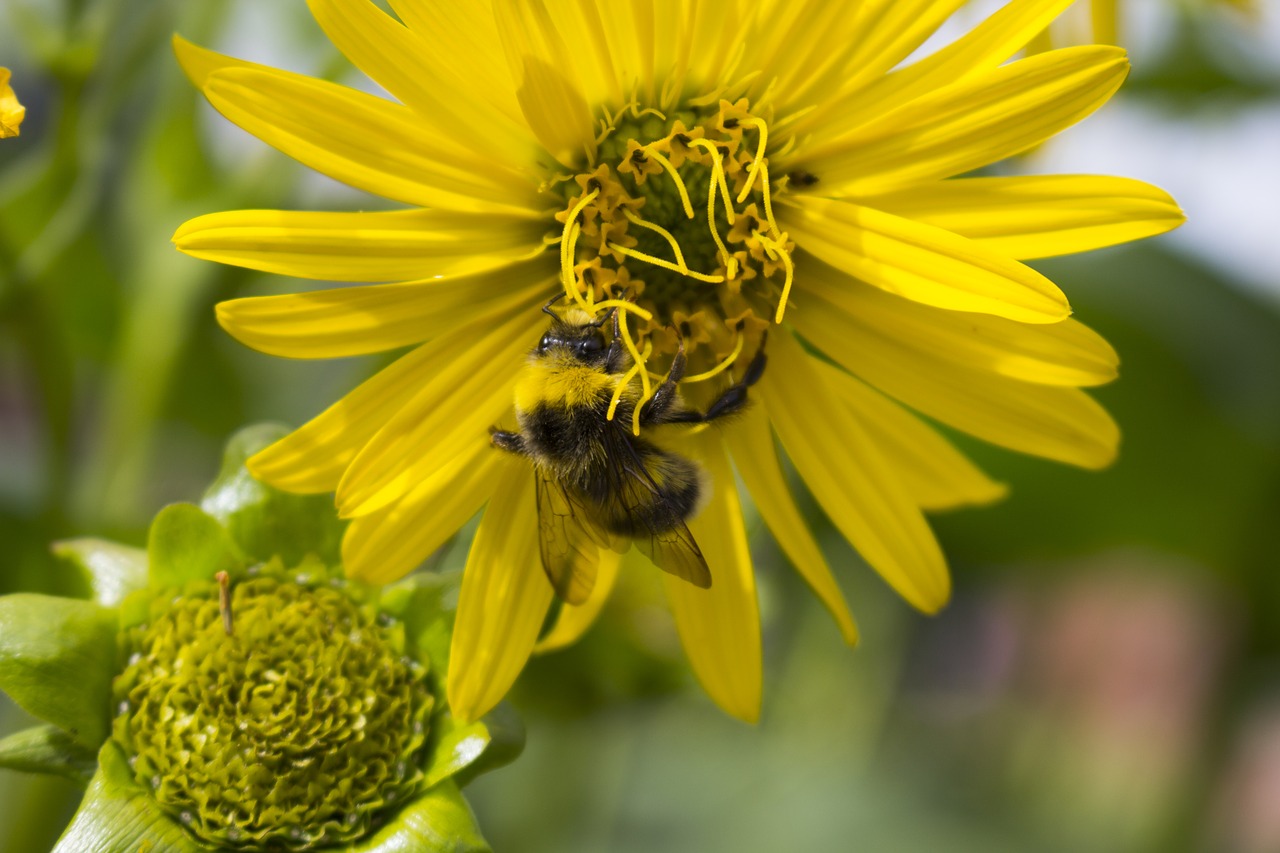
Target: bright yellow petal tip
{"points": [[11, 112]]}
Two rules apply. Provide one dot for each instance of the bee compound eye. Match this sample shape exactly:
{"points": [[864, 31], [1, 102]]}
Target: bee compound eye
{"points": [[595, 343], [545, 343]]}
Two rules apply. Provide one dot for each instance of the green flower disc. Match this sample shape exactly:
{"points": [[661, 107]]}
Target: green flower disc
{"points": [[300, 729]]}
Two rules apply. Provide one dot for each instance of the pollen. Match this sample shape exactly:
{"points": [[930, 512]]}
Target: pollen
{"points": [[671, 221]]}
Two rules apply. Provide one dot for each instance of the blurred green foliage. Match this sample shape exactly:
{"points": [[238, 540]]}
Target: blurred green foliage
{"points": [[1113, 633]]}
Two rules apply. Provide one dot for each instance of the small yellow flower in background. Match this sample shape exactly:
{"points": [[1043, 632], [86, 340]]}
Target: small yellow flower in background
{"points": [[737, 167], [11, 112]]}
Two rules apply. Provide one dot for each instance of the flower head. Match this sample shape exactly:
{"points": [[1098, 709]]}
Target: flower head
{"points": [[711, 171], [257, 706], [11, 112]]}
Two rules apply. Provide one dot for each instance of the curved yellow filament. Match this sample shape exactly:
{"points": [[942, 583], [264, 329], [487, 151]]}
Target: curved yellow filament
{"points": [[777, 250], [723, 365], [626, 380], [659, 262], [768, 203], [759, 125], [675, 176], [568, 240], [652, 226], [717, 176]]}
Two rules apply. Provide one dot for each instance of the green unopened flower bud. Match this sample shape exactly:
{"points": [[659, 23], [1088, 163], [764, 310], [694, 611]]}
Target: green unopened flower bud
{"points": [[299, 728]]}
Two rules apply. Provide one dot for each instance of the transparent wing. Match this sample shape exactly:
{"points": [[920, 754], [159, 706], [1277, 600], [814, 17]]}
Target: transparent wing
{"points": [[570, 542], [662, 534]]}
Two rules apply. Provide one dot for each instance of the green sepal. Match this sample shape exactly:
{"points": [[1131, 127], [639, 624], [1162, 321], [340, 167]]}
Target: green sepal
{"points": [[264, 521], [466, 750], [57, 657], [116, 815], [426, 602], [112, 570], [48, 749], [439, 821], [186, 544]]}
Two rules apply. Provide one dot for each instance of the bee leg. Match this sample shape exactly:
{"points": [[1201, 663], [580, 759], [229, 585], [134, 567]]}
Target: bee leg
{"points": [[732, 400], [512, 442], [658, 409], [616, 355]]}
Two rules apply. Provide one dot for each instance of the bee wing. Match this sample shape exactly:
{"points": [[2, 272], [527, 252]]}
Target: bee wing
{"points": [[666, 540], [570, 542]]}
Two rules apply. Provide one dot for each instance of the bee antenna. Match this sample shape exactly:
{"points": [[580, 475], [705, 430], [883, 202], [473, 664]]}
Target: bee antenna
{"points": [[604, 318], [546, 309]]}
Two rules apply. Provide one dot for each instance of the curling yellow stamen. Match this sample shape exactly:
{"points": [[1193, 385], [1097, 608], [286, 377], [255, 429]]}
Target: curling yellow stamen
{"points": [[768, 203], [777, 250], [675, 176], [646, 391], [568, 240], [723, 365], [664, 233], [659, 262], [717, 176], [759, 125], [626, 380], [575, 292], [626, 306]]}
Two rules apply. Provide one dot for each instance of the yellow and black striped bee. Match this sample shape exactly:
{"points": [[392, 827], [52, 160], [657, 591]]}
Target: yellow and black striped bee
{"points": [[598, 485]]}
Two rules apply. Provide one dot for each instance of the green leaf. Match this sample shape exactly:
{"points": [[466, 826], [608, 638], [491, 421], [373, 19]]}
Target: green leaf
{"points": [[264, 521], [440, 821], [48, 749], [116, 815], [474, 748], [57, 659], [187, 545], [112, 570]]}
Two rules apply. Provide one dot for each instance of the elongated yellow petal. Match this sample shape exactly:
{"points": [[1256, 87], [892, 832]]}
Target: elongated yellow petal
{"points": [[935, 474], [314, 457], [11, 111], [553, 103], [463, 50], [1039, 217], [504, 598], [367, 142], [574, 619], [969, 124], [720, 627], [1057, 423], [394, 246], [393, 56], [460, 402], [377, 317], [861, 494], [1066, 353], [983, 48], [751, 443], [921, 262], [380, 547]]}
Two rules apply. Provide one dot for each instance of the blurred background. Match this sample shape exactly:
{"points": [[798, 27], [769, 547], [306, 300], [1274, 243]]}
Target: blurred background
{"points": [[1108, 675]]}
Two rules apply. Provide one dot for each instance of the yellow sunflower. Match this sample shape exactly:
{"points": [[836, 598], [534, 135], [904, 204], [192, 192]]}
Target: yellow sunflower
{"points": [[735, 166], [11, 112]]}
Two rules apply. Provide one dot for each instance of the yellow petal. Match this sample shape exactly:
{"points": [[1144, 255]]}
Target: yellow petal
{"points": [[574, 619], [1057, 423], [553, 103], [368, 142], [861, 494], [463, 50], [348, 321], [393, 56], [750, 440], [461, 401], [1064, 353], [394, 246], [504, 598], [935, 474], [920, 262], [380, 547], [720, 627], [969, 124], [1039, 217], [312, 459], [983, 48], [11, 112]]}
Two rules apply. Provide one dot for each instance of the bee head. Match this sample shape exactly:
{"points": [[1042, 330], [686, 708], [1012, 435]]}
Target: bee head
{"points": [[582, 341]]}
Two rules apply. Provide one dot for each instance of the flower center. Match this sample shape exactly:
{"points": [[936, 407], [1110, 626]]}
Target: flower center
{"points": [[296, 730], [676, 214]]}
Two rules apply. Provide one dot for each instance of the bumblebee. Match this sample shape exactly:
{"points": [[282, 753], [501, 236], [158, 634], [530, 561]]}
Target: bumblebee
{"points": [[598, 485]]}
